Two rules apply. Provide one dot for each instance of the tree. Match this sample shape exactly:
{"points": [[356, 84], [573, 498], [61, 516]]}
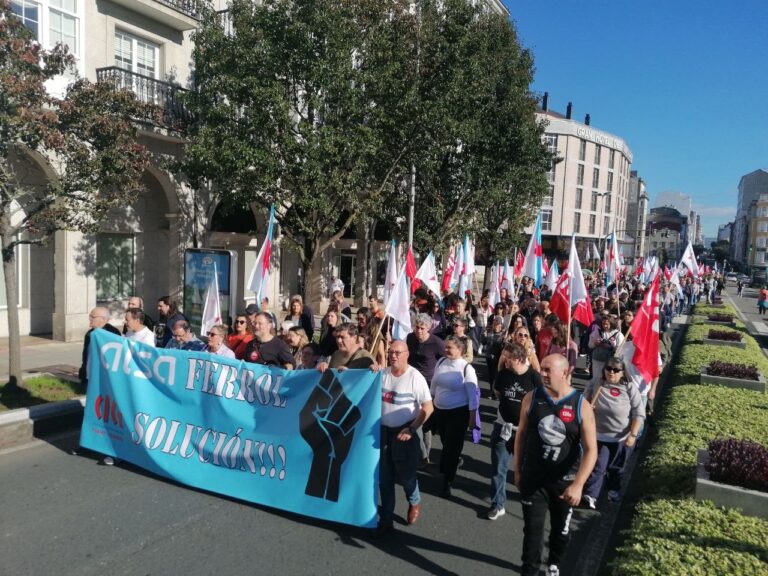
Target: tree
{"points": [[87, 139], [480, 161], [720, 250], [302, 104]]}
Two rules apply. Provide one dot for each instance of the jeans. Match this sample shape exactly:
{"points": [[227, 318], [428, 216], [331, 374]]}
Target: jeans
{"points": [[500, 458], [535, 506], [399, 462], [612, 458]]}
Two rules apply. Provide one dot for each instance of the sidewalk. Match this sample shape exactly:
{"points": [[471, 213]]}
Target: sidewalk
{"points": [[42, 354]]}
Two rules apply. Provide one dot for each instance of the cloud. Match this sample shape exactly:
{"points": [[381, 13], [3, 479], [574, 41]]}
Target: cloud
{"points": [[716, 211]]}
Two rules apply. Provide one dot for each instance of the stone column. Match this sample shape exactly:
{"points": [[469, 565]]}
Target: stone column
{"points": [[74, 284]]}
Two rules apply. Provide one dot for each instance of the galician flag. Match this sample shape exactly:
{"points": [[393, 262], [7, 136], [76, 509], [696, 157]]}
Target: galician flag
{"points": [[507, 281], [212, 305], [689, 260], [398, 307], [391, 278], [494, 296], [612, 260], [427, 274], [533, 255], [458, 269], [259, 280], [552, 275], [465, 279]]}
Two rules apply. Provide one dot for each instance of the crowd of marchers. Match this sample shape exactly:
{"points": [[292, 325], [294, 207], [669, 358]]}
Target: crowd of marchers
{"points": [[565, 445]]}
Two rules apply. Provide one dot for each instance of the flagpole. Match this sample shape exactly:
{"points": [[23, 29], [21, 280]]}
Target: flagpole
{"points": [[378, 333]]}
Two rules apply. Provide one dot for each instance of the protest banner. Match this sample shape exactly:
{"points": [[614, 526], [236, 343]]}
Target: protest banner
{"points": [[299, 440]]}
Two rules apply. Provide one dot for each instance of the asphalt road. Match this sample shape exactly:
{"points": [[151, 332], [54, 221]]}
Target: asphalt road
{"points": [[62, 514]]}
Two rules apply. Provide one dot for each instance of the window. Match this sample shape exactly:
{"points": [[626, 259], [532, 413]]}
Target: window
{"points": [[761, 241], [606, 225], [592, 219], [51, 21], [549, 199], [546, 220], [607, 207], [593, 201], [582, 150], [762, 227], [579, 194], [29, 12], [551, 172], [550, 140], [609, 185], [598, 153], [595, 177], [136, 55], [576, 222], [612, 159], [115, 255], [580, 175]]}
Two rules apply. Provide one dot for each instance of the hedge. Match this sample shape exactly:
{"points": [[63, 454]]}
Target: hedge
{"points": [[671, 533], [690, 538], [704, 309], [693, 416]]}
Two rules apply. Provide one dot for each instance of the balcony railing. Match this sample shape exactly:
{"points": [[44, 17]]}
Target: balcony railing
{"points": [[191, 8], [171, 112]]}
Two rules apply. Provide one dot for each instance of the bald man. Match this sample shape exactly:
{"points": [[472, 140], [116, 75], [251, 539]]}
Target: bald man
{"points": [[97, 318], [555, 451], [405, 405]]}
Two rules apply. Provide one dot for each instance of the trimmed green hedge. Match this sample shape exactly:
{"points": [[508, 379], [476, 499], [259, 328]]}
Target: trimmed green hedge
{"points": [[690, 538], [692, 416], [704, 309], [681, 536]]}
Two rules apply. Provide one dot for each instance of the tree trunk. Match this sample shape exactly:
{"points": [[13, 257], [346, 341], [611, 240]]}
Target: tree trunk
{"points": [[12, 300]]}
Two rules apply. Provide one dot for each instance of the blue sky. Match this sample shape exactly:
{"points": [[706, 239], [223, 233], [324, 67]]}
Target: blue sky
{"points": [[684, 83]]}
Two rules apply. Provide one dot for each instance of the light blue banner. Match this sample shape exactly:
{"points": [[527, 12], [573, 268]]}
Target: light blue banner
{"points": [[297, 440]]}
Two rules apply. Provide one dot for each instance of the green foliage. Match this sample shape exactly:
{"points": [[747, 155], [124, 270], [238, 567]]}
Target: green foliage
{"points": [[704, 310], [693, 416], [690, 538], [39, 390]]}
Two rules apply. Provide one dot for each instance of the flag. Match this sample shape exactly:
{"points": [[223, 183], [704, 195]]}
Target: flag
{"points": [[494, 295], [468, 267], [410, 270], [552, 275], [579, 297], [595, 252], [612, 260], [640, 266], [667, 273], [533, 255], [506, 280], [212, 305], [544, 266], [645, 334], [398, 307], [427, 274], [689, 260], [448, 272], [560, 303], [391, 278], [458, 268], [259, 280], [519, 263]]}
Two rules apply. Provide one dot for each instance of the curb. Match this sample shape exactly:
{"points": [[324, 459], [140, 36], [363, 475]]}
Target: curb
{"points": [[23, 425]]}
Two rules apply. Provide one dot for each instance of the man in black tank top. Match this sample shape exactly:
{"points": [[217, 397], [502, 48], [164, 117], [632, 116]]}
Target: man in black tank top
{"points": [[555, 451]]}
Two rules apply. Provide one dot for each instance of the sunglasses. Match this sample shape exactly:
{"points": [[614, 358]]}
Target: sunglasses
{"points": [[523, 335], [240, 322], [613, 370]]}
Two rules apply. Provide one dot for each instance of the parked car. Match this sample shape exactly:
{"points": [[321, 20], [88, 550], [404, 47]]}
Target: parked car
{"points": [[731, 278]]}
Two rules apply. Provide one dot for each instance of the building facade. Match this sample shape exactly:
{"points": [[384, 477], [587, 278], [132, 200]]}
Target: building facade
{"points": [[667, 232], [637, 214], [588, 183], [751, 187]]}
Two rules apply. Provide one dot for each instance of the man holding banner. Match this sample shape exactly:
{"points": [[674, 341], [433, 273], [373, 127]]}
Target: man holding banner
{"points": [[405, 405]]}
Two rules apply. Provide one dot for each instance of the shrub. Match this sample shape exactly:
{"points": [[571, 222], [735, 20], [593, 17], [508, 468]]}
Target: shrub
{"points": [[686, 537], [720, 317], [739, 463], [730, 370], [727, 335], [691, 418]]}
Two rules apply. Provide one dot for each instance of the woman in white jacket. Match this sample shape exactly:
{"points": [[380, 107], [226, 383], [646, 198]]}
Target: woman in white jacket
{"points": [[604, 341]]}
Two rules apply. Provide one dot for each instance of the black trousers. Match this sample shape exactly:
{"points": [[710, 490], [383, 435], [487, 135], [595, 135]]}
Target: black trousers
{"points": [[535, 506], [452, 426]]}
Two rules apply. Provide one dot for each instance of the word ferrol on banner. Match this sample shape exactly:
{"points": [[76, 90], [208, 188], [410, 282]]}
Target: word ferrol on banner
{"points": [[296, 440]]}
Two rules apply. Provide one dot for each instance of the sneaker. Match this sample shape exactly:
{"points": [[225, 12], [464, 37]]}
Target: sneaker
{"points": [[108, 461], [591, 502], [614, 495], [495, 513], [553, 570]]}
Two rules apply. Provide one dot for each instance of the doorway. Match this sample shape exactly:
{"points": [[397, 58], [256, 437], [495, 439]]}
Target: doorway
{"points": [[347, 261]]}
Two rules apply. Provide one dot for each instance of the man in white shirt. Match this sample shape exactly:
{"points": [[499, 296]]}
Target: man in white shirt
{"points": [[406, 405], [136, 330], [334, 285], [216, 337]]}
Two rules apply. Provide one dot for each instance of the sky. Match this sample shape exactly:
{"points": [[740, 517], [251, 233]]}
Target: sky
{"points": [[684, 83]]}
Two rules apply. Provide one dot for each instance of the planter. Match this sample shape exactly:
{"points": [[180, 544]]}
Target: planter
{"points": [[736, 344], [750, 502], [757, 385], [730, 324]]}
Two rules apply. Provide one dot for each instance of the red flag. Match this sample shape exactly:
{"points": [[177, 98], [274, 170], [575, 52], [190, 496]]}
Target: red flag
{"points": [[640, 266], [645, 334], [578, 290], [560, 303], [667, 273], [410, 270], [448, 272], [519, 262]]}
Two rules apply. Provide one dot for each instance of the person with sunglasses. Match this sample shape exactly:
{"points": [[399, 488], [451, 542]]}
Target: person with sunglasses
{"points": [[619, 413], [522, 336], [238, 340]]}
